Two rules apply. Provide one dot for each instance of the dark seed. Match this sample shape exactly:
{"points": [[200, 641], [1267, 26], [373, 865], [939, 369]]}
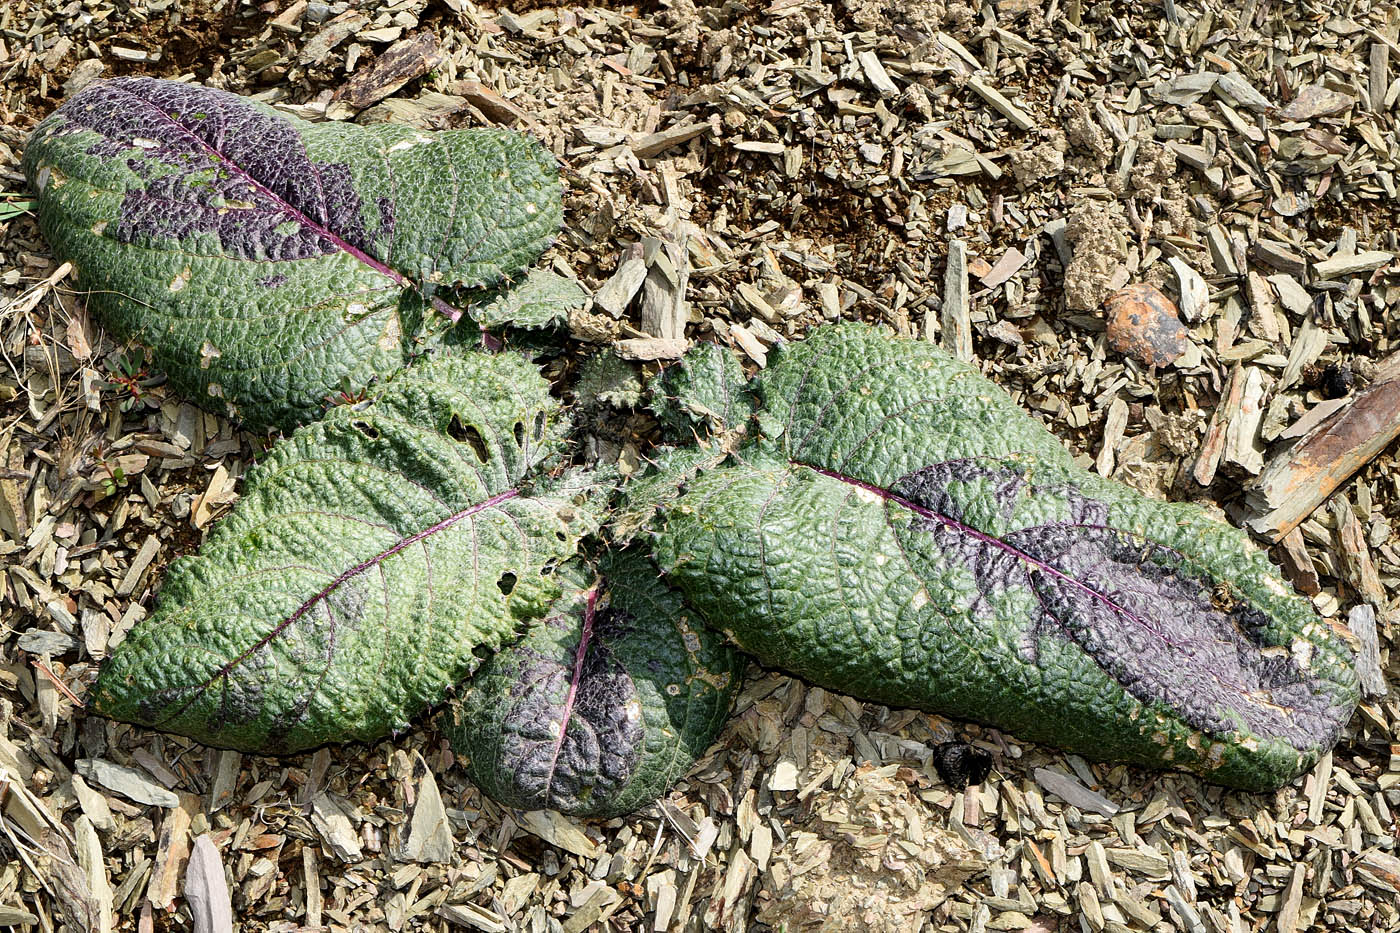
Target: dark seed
{"points": [[1336, 380], [960, 764]]}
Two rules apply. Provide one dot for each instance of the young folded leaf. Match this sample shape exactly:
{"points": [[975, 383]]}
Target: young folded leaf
{"points": [[904, 533], [705, 392], [604, 704], [269, 262], [372, 558], [703, 403], [541, 299]]}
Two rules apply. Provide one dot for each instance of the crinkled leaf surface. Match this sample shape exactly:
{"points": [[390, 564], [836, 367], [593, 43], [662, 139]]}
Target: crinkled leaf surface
{"points": [[607, 379], [904, 533], [602, 705], [541, 299], [703, 402], [266, 261], [705, 391], [371, 558]]}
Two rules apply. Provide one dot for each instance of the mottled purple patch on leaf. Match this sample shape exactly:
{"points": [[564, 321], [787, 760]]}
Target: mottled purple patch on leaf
{"points": [[601, 721], [236, 699], [216, 165], [386, 220], [272, 281], [235, 692], [1137, 608]]}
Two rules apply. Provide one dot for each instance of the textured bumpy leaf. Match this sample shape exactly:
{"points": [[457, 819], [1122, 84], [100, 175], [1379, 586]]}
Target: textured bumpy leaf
{"points": [[607, 379], [703, 403], [903, 532], [372, 558], [706, 389], [604, 704], [267, 261], [542, 299]]}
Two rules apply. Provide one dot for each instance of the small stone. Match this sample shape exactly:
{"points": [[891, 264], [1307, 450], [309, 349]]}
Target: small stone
{"points": [[430, 835], [1316, 101], [331, 819], [1143, 324], [84, 73], [558, 830], [1007, 266], [1098, 237], [652, 348], [128, 782], [128, 55], [1362, 622], [206, 888], [1036, 164], [1195, 295], [876, 74], [1290, 294], [93, 804], [45, 643], [750, 344], [1074, 793], [1234, 86], [956, 329], [316, 12], [784, 777], [261, 61], [619, 290], [1291, 204], [1353, 264]]}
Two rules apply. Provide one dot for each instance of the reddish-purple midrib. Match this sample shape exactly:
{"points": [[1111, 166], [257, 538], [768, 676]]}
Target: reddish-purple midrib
{"points": [[991, 540], [359, 568], [324, 232], [572, 695]]}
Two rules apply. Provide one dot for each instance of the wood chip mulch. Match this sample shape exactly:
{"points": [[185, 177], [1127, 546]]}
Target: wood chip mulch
{"points": [[984, 176]]}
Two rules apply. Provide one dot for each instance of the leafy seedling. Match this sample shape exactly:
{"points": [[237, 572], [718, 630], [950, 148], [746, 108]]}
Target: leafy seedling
{"points": [[867, 513]]}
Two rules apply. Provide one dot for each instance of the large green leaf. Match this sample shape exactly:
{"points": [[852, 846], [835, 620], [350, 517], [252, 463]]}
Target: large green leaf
{"points": [[373, 559], [603, 704], [901, 531], [269, 262]]}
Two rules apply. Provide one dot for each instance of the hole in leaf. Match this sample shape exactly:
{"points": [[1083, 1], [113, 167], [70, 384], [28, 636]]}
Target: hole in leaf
{"points": [[481, 652], [367, 429], [507, 582], [519, 434], [468, 434], [539, 426]]}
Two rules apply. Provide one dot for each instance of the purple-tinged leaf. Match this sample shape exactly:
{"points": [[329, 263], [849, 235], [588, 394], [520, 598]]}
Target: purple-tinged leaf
{"points": [[269, 262], [373, 559], [603, 705], [900, 530]]}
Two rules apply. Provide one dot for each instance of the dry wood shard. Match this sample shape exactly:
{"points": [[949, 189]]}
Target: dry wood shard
{"points": [[1301, 478]]}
